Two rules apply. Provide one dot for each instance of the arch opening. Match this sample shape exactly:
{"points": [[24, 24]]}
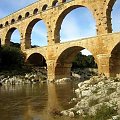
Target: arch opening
{"points": [[55, 3], [19, 17], [35, 11], [27, 14], [37, 59], [115, 61], [1, 25], [44, 7], [12, 21], [63, 1], [7, 23], [13, 37], [75, 22], [73, 61], [113, 12], [36, 34]]}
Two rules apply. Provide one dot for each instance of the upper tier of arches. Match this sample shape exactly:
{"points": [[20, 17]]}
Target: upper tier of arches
{"points": [[48, 6], [53, 24]]}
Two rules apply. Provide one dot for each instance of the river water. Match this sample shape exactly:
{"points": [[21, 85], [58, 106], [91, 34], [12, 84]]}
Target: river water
{"points": [[35, 101]]}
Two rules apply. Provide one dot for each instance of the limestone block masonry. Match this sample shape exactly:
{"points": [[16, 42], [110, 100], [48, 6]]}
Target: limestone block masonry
{"points": [[105, 47]]}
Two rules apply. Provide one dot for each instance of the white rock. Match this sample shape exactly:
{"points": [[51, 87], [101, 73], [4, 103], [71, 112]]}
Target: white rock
{"points": [[80, 84], [71, 114], [86, 93], [26, 76], [77, 91], [80, 112], [76, 75], [64, 113], [84, 86], [101, 83], [87, 82], [115, 117]]}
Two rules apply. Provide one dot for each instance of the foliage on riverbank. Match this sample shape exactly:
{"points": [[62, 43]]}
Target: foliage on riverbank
{"points": [[11, 58], [83, 61]]}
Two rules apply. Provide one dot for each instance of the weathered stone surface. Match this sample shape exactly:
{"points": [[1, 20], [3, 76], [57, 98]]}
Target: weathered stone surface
{"points": [[104, 47]]}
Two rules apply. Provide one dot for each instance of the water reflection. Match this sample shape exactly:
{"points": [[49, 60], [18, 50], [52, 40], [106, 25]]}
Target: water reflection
{"points": [[34, 102]]}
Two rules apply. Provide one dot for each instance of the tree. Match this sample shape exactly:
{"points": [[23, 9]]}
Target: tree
{"points": [[11, 57], [83, 61]]}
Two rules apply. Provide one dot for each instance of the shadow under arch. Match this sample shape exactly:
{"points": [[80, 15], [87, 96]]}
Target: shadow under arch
{"points": [[61, 18], [114, 61], [29, 32], [9, 34], [64, 61], [36, 59]]}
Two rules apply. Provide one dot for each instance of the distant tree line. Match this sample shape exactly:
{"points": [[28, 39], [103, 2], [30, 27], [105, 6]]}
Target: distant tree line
{"points": [[83, 61]]}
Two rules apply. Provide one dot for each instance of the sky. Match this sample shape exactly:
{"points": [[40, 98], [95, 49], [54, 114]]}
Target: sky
{"points": [[79, 23]]}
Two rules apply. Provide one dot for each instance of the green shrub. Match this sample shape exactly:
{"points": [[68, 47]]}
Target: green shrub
{"points": [[83, 61], [96, 90], [93, 102], [11, 57], [111, 90], [103, 113]]}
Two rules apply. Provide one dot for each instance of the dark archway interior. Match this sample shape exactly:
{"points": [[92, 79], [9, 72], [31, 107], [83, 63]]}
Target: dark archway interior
{"points": [[36, 59], [44, 7], [35, 11], [115, 61], [55, 3]]}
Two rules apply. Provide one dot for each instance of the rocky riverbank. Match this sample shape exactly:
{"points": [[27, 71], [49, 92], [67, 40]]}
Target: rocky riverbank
{"points": [[97, 99], [79, 75], [38, 75]]}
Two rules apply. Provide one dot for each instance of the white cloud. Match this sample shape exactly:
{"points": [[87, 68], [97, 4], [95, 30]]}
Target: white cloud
{"points": [[86, 52]]}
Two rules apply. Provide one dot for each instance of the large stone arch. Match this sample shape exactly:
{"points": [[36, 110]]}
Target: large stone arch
{"points": [[28, 31], [9, 34], [64, 59], [110, 4], [62, 13]]}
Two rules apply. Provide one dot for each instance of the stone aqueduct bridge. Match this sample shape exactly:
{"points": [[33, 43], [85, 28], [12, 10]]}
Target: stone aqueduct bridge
{"points": [[105, 47]]}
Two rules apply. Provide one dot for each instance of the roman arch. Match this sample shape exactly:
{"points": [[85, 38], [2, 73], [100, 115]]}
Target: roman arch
{"points": [[104, 46]]}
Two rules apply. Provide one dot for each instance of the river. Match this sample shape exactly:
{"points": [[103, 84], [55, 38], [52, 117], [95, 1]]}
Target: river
{"points": [[35, 101]]}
